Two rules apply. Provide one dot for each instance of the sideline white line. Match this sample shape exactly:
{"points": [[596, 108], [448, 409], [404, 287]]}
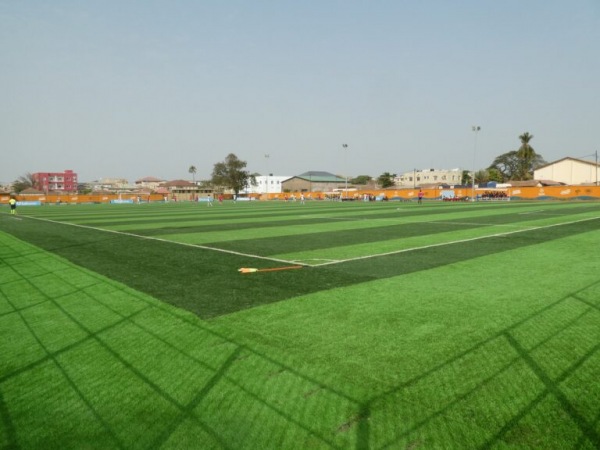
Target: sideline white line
{"points": [[531, 212], [299, 261], [358, 258], [539, 213], [506, 225], [150, 238]]}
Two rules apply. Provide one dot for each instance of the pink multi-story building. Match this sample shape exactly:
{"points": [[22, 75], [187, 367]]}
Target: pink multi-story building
{"points": [[56, 181]]}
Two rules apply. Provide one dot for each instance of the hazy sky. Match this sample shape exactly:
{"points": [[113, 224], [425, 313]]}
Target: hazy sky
{"points": [[147, 88]]}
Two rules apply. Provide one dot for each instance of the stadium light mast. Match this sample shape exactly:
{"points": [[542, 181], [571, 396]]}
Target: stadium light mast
{"points": [[596, 167], [267, 156], [345, 146], [475, 129]]}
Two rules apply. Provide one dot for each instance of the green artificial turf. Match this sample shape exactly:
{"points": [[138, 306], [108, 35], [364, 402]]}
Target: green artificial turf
{"points": [[479, 341]]}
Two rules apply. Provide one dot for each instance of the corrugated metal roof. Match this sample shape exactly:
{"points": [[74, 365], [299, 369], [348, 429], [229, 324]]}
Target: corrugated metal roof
{"points": [[319, 176]]}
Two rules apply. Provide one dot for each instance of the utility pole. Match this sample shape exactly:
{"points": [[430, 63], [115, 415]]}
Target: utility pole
{"points": [[345, 146], [267, 156], [476, 129]]}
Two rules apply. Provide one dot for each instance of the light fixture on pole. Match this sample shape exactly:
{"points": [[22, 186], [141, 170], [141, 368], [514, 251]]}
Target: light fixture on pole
{"points": [[345, 146], [476, 129]]}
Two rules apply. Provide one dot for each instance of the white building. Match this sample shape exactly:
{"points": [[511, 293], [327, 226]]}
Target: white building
{"points": [[266, 184], [570, 171], [109, 184], [149, 182], [418, 177]]}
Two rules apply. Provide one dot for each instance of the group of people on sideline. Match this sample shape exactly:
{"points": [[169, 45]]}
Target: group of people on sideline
{"points": [[494, 195]]}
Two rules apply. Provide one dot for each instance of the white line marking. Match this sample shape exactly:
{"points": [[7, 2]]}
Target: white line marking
{"points": [[451, 242], [331, 262], [299, 261], [531, 212], [538, 213], [508, 225], [150, 238]]}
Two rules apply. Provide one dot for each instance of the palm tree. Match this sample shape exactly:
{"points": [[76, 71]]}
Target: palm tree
{"points": [[193, 171], [526, 155], [526, 150]]}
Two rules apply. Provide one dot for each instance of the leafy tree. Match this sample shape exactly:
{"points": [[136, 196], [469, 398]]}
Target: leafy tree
{"points": [[361, 180], [231, 174], [465, 177], [386, 179], [482, 176], [494, 175], [23, 182], [193, 171], [507, 166], [517, 164]]}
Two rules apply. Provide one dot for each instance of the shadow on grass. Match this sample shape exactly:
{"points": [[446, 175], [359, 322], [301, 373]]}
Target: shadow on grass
{"points": [[510, 402], [136, 373], [152, 377]]}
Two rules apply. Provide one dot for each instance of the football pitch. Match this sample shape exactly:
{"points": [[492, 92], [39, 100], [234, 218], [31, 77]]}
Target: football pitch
{"points": [[378, 325]]}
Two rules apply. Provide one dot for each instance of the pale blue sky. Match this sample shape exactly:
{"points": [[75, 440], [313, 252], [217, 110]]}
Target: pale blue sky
{"points": [[147, 88]]}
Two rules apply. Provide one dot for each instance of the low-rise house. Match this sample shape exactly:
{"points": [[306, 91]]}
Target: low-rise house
{"points": [[419, 177], [184, 190], [314, 181], [571, 171], [266, 184], [149, 182]]}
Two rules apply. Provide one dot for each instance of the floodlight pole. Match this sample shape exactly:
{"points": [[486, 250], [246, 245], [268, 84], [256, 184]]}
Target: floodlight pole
{"points": [[595, 155], [267, 156], [475, 129], [345, 146]]}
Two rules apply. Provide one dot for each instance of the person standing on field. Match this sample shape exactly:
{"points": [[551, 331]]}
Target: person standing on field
{"points": [[420, 196], [13, 206]]}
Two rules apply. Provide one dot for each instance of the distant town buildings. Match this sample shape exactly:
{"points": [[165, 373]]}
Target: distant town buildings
{"points": [[568, 170], [55, 181], [313, 181], [266, 184], [182, 188], [149, 182], [108, 184], [419, 177]]}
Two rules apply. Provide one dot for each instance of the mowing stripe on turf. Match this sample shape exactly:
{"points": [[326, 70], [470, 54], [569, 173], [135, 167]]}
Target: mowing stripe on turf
{"points": [[329, 262], [472, 224], [204, 247], [460, 241]]}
